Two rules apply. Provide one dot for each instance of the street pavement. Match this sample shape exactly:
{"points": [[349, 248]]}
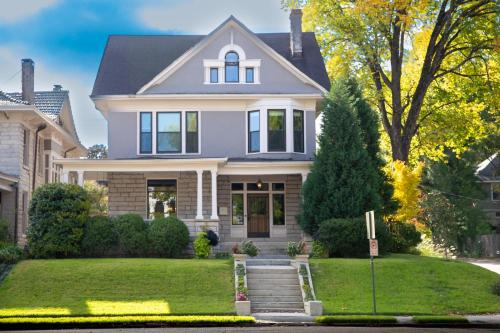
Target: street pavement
{"points": [[492, 264], [279, 329]]}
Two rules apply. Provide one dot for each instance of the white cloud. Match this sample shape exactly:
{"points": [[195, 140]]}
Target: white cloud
{"points": [[16, 10], [202, 16], [90, 125]]}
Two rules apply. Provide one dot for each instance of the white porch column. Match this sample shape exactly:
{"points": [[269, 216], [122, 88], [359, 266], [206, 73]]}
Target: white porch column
{"points": [[65, 176], [199, 195], [214, 215], [79, 178], [304, 176]]}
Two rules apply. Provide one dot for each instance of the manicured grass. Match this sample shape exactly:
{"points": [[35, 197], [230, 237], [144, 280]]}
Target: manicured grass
{"points": [[117, 287], [405, 284], [355, 319]]}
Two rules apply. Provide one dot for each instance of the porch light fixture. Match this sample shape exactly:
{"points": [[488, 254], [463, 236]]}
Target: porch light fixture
{"points": [[259, 184]]}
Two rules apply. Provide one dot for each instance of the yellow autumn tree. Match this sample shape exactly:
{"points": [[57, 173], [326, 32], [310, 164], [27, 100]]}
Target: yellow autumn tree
{"points": [[406, 181]]}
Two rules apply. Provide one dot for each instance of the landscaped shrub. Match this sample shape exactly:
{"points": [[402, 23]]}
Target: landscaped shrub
{"points": [[132, 234], [496, 288], [319, 250], [249, 248], [405, 236], [100, 238], [57, 215], [294, 248], [4, 231], [202, 246], [168, 236], [10, 254], [212, 237], [347, 237]]}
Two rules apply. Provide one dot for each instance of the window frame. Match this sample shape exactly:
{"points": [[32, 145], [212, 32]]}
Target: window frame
{"points": [[187, 131], [26, 147], [302, 131], [232, 64], [491, 192], [249, 132], [141, 131], [283, 130], [176, 182]]}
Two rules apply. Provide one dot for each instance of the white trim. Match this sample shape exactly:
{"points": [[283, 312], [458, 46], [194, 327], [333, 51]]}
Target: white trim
{"points": [[199, 194], [205, 96], [213, 194], [232, 47], [231, 22]]}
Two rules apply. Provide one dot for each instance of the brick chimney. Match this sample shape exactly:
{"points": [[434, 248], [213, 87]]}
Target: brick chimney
{"points": [[296, 33], [28, 80]]}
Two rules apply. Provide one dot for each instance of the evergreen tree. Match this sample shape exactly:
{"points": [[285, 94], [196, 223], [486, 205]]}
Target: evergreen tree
{"points": [[369, 125], [343, 182]]}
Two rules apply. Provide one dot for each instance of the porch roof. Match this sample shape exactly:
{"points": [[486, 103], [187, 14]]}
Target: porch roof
{"points": [[6, 182]]}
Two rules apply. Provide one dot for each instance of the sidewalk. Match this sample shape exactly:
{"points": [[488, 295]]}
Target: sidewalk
{"points": [[492, 264]]}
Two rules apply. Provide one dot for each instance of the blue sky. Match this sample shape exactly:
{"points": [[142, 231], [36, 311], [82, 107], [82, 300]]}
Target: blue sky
{"points": [[66, 38]]}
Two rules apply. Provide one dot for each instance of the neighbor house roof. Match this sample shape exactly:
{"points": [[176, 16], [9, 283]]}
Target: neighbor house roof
{"points": [[48, 102], [130, 62], [489, 169], [6, 99]]}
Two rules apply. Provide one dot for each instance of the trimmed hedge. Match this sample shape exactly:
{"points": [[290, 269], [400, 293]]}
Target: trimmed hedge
{"points": [[355, 319], [100, 238], [168, 237], [113, 321], [132, 234], [10, 254], [57, 216], [440, 320]]}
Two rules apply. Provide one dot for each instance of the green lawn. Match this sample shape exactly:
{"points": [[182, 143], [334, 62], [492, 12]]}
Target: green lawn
{"points": [[117, 286], [405, 284]]}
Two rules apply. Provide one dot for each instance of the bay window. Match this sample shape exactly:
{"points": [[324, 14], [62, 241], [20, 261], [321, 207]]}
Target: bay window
{"points": [[191, 132], [276, 127], [146, 136], [168, 132], [253, 131], [298, 131]]}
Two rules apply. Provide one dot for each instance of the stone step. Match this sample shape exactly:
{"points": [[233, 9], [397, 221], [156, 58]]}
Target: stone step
{"points": [[264, 299], [271, 269], [275, 292], [268, 262], [265, 285], [284, 280], [277, 305], [266, 275], [283, 310]]}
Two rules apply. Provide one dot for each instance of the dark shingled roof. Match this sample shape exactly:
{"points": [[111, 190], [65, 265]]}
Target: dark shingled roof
{"points": [[489, 169], [130, 62], [48, 102]]}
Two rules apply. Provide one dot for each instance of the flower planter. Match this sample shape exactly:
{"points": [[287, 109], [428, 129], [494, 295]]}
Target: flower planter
{"points": [[302, 258], [314, 308], [239, 257], [242, 308]]}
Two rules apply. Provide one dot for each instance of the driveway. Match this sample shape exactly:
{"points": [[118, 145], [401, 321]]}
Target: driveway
{"points": [[490, 264]]}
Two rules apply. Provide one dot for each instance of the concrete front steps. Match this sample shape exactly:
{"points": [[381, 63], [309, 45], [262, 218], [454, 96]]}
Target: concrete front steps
{"points": [[273, 286]]}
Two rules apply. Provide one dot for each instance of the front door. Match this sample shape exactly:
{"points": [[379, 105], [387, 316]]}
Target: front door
{"points": [[258, 215]]}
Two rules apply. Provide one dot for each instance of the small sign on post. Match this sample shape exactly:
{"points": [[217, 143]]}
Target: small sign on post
{"points": [[370, 233], [373, 248]]}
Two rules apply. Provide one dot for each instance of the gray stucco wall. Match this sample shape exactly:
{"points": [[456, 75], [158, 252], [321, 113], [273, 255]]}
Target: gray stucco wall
{"points": [[274, 77], [223, 134]]}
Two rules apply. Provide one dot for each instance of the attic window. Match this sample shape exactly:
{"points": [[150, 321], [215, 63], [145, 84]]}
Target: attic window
{"points": [[232, 67]]}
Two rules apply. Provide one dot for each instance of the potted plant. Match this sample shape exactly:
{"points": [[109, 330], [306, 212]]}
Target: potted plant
{"points": [[238, 255], [298, 251]]}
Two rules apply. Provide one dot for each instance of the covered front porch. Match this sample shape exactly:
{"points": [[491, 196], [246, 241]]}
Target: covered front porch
{"points": [[236, 199]]}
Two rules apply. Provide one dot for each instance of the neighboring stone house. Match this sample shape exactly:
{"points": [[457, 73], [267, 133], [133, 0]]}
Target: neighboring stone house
{"points": [[36, 127], [217, 129]]}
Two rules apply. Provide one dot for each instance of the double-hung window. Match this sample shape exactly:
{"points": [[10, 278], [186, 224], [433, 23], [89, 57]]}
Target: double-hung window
{"points": [[298, 131], [249, 75], [214, 75], [253, 131], [191, 132], [276, 134], [146, 137], [168, 132]]}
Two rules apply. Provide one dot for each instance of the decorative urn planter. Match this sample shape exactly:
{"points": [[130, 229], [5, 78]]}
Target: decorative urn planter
{"points": [[239, 257], [242, 308], [302, 258], [314, 308]]}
